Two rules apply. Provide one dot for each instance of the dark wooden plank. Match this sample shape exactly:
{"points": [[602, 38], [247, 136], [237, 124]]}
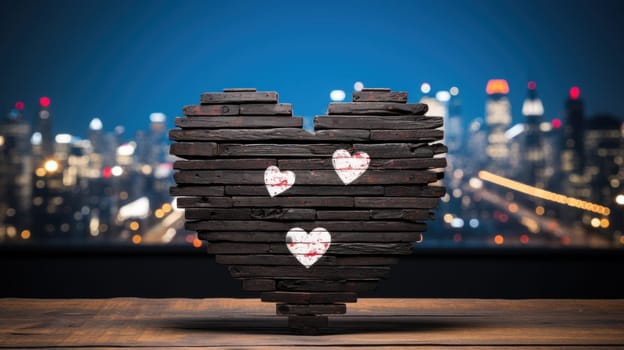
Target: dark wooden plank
{"points": [[279, 236], [423, 135], [377, 108], [238, 122], [417, 215], [299, 190], [250, 214], [210, 191], [279, 150], [311, 177], [277, 260], [415, 191], [379, 96], [375, 163], [377, 122], [266, 109], [277, 134], [309, 297], [204, 202], [307, 324], [238, 97], [381, 150], [224, 164], [401, 150], [211, 110], [351, 248], [258, 285], [330, 273], [331, 226], [343, 215], [315, 309], [190, 150], [396, 202], [294, 202], [288, 259], [327, 286]]}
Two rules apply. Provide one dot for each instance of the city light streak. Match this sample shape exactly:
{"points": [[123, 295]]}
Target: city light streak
{"points": [[543, 194]]}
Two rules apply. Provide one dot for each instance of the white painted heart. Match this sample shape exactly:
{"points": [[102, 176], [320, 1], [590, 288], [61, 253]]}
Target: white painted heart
{"points": [[277, 181], [348, 167], [308, 248]]}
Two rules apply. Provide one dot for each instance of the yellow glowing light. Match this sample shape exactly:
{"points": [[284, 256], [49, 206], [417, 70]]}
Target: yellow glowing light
{"points": [[604, 223], [40, 172], [448, 218], [622, 239], [619, 199], [513, 207], [136, 239], [539, 210], [25, 234], [498, 239], [595, 222], [11, 231], [197, 243], [159, 213], [134, 225], [51, 166], [540, 193], [167, 207], [1, 140]]}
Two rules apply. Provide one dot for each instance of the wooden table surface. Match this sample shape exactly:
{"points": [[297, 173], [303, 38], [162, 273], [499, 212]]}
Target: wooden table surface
{"points": [[370, 323]]}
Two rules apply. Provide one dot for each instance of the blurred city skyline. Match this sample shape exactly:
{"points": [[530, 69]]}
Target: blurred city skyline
{"points": [[120, 61]]}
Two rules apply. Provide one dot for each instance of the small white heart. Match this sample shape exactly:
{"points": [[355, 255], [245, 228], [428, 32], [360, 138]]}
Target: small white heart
{"points": [[277, 181], [308, 248], [348, 167]]}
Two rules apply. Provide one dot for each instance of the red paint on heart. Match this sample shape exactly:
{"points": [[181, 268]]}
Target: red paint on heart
{"points": [[310, 254]]}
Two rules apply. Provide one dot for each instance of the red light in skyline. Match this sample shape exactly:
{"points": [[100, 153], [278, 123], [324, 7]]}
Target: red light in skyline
{"points": [[44, 102], [107, 172], [497, 86], [532, 85], [19, 105], [575, 93], [556, 123]]}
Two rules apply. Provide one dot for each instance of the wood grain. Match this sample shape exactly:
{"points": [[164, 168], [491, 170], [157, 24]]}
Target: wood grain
{"points": [[311, 177], [211, 110], [337, 237], [250, 214], [224, 164], [238, 122], [309, 297], [332, 226], [353, 248], [329, 273], [326, 260], [238, 97], [377, 122], [318, 309], [375, 164], [379, 96], [377, 108], [416, 323], [301, 190]]}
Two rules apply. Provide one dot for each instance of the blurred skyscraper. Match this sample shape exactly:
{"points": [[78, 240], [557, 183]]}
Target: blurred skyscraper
{"points": [[497, 119]]}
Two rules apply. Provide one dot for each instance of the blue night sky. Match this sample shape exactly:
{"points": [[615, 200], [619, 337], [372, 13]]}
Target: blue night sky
{"points": [[121, 60]]}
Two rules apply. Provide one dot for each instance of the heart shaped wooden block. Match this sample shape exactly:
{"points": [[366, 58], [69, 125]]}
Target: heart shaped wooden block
{"points": [[254, 183]]}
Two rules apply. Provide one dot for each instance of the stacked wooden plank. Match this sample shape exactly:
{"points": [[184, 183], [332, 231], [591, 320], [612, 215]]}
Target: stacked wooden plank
{"points": [[230, 139]]}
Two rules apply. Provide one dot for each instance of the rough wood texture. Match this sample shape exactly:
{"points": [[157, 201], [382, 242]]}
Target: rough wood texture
{"points": [[320, 309], [377, 122], [289, 134], [232, 137], [239, 97], [124, 323], [330, 273], [377, 108], [238, 122], [335, 249], [311, 177], [337, 237], [308, 298], [379, 96], [332, 226]]}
